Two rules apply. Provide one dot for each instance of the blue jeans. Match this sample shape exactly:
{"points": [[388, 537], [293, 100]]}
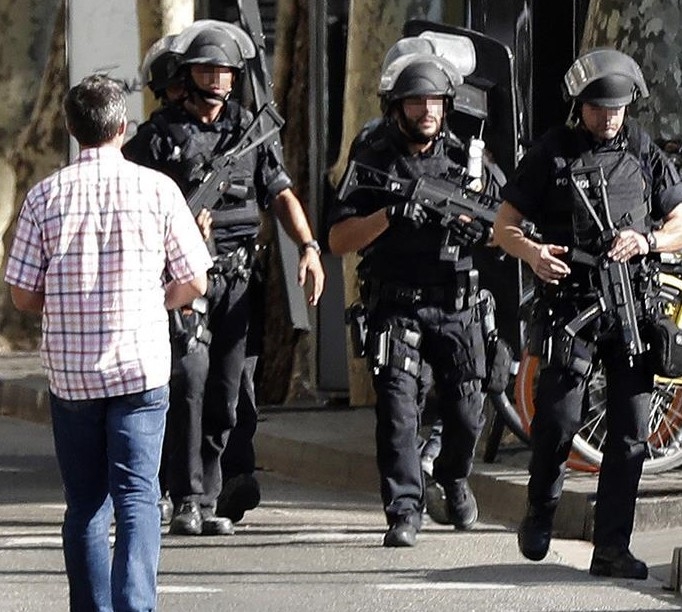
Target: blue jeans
{"points": [[109, 451]]}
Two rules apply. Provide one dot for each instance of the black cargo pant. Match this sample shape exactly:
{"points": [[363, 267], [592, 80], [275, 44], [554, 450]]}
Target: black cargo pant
{"points": [[229, 325], [561, 403], [239, 456], [184, 468], [451, 342]]}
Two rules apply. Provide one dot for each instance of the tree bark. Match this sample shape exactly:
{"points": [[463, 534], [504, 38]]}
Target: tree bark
{"points": [[287, 368], [32, 135], [650, 33]]}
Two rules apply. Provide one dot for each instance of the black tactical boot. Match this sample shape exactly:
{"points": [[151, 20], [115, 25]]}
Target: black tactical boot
{"points": [[462, 506], [401, 533], [435, 501], [617, 562], [240, 493], [213, 525], [186, 519], [535, 533]]}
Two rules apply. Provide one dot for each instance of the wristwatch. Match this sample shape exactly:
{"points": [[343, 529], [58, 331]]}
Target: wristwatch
{"points": [[311, 244], [651, 241]]}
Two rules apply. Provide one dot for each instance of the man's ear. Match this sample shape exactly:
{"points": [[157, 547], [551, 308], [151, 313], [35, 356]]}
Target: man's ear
{"points": [[122, 128]]}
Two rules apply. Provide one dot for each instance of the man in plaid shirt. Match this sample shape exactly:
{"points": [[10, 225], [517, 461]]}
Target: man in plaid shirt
{"points": [[102, 248]]}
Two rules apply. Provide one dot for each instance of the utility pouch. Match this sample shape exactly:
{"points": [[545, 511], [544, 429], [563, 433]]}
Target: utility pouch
{"points": [[356, 319], [537, 329], [498, 364], [571, 353], [665, 342], [498, 353]]}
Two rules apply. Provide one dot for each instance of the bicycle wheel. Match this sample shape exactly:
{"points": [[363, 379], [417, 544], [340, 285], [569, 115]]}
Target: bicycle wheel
{"points": [[664, 450], [511, 418]]}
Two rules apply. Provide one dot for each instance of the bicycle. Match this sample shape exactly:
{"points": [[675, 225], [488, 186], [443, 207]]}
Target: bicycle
{"points": [[665, 421]]}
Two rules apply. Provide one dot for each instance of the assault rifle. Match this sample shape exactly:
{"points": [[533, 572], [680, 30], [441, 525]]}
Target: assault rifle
{"points": [[614, 282], [217, 178], [446, 199]]}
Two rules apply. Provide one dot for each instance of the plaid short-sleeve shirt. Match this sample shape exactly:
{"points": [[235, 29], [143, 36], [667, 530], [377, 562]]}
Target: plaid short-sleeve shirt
{"points": [[100, 238]]}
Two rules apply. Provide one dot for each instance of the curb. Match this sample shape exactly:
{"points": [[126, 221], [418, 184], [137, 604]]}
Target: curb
{"points": [[334, 447]]}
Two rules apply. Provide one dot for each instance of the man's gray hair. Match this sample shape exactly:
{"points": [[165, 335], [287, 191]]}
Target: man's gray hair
{"points": [[95, 110]]}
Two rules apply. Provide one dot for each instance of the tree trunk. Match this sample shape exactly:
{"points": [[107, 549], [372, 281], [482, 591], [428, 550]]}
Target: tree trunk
{"points": [[33, 140], [647, 31], [373, 26], [287, 367]]}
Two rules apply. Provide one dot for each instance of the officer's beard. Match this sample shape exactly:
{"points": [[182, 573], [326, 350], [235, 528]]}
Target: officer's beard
{"points": [[412, 129]]}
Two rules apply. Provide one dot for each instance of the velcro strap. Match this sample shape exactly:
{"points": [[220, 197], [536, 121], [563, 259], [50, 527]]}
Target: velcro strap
{"points": [[406, 364], [411, 337]]}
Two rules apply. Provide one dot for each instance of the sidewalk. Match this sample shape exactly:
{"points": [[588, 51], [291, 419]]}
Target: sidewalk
{"points": [[335, 447]]}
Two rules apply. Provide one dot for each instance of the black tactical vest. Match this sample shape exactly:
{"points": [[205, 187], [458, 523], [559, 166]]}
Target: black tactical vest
{"points": [[191, 151], [566, 220], [404, 253], [613, 184]]}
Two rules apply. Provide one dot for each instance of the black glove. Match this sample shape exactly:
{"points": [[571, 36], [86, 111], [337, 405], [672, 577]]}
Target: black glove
{"points": [[470, 233], [406, 213]]}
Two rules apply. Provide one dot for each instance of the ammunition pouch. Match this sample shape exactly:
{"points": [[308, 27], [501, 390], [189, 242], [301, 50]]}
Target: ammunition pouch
{"points": [[233, 264], [382, 351], [665, 346]]}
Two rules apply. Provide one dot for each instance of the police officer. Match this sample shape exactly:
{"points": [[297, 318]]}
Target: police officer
{"points": [[419, 285], [159, 72], [643, 193], [180, 140]]}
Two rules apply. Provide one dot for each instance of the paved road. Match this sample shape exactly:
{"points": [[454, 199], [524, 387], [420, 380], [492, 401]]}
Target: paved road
{"points": [[312, 549]]}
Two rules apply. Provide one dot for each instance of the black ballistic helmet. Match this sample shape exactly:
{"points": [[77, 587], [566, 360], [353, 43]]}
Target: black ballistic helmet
{"points": [[215, 47], [421, 78], [163, 73], [159, 68], [605, 77], [611, 91]]}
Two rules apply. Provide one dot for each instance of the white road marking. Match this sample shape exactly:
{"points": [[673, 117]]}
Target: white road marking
{"points": [[444, 586], [321, 536], [167, 588], [32, 541]]}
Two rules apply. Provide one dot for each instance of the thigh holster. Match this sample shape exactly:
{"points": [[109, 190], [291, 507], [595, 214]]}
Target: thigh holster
{"points": [[395, 347]]}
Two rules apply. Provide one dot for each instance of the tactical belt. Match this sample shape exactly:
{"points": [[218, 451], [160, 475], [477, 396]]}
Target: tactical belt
{"points": [[457, 295], [233, 263]]}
